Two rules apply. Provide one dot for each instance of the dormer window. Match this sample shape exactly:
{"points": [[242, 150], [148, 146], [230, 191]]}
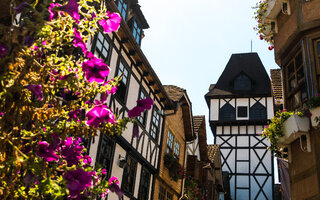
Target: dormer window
{"points": [[242, 82], [136, 31], [123, 7]]}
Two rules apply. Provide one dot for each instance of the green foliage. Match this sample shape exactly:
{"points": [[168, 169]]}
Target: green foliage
{"points": [[274, 131]]}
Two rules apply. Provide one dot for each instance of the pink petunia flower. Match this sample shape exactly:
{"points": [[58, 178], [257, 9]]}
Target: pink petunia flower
{"points": [[114, 186], [72, 8], [142, 105], [135, 130], [52, 13], [46, 152], [78, 41], [112, 23], [36, 90], [95, 70], [100, 114], [77, 181]]}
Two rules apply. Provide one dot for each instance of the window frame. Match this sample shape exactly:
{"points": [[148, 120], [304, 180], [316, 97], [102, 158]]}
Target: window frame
{"points": [[143, 118], [122, 95], [136, 31], [125, 177], [241, 109], [123, 2], [105, 39], [173, 148], [144, 184], [240, 80], [296, 94], [109, 142], [152, 123]]}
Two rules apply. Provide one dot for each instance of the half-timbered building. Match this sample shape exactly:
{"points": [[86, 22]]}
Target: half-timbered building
{"points": [[134, 161], [240, 105]]}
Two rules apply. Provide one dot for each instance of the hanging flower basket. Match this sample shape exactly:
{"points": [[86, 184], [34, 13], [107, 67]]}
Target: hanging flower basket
{"points": [[315, 117], [293, 128]]}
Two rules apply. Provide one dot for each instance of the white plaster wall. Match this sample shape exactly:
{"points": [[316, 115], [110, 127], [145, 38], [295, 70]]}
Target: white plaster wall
{"points": [[243, 129], [219, 130], [270, 107], [133, 93], [116, 170], [251, 130], [113, 63], [127, 134], [214, 109], [116, 43], [226, 130], [235, 130], [145, 146], [136, 185]]}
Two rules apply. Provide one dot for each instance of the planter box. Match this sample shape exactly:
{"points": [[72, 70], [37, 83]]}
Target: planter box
{"points": [[293, 128], [315, 113]]}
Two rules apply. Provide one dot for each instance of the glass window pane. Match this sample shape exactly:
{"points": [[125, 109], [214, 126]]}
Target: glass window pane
{"points": [[100, 36], [318, 47], [298, 60], [105, 52], [99, 45]]}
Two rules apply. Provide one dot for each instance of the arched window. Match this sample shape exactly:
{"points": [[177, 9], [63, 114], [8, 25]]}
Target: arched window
{"points": [[227, 112], [258, 112], [242, 82]]}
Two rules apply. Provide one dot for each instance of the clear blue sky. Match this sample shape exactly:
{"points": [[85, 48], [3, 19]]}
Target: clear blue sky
{"points": [[190, 42]]}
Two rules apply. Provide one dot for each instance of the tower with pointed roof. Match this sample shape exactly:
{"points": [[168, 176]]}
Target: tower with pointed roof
{"points": [[240, 105]]}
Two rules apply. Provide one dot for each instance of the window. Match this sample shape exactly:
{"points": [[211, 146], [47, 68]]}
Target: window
{"points": [[242, 82], [227, 112], [176, 151], [155, 123], [317, 58], [242, 111], [142, 118], [144, 185], [102, 48], [122, 7], [258, 112], [122, 88], [164, 194], [296, 94], [136, 31], [129, 175], [173, 146], [105, 154]]}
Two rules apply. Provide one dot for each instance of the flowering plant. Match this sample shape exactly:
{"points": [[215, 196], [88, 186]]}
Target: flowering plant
{"points": [[192, 190], [274, 131], [176, 171], [53, 95], [262, 26]]}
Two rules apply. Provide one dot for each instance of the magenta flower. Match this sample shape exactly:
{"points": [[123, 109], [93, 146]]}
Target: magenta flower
{"points": [[93, 15], [87, 159], [3, 50], [100, 114], [142, 105], [73, 114], [46, 152], [112, 23], [71, 151], [21, 7], [104, 171], [53, 13], [135, 130], [77, 181], [95, 69], [36, 91], [114, 186], [78, 41], [72, 8]]}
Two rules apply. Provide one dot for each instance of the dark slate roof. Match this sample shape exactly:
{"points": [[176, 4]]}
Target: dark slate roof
{"points": [[276, 84], [248, 64], [174, 92]]}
